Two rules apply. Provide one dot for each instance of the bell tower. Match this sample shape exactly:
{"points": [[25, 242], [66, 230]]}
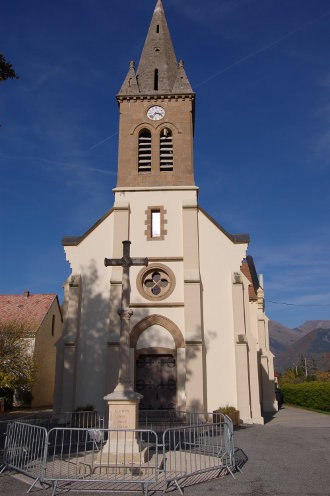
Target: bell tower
{"points": [[156, 105]]}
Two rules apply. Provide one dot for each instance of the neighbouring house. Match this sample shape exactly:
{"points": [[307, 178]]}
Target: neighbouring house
{"points": [[41, 314]]}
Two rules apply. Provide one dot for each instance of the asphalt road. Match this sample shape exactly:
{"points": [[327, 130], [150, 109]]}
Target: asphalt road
{"points": [[289, 456]]}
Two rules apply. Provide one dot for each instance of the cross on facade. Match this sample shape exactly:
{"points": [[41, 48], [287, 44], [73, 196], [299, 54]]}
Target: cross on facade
{"points": [[124, 382]]}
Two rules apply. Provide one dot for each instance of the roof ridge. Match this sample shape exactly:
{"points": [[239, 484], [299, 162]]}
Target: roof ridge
{"points": [[31, 294]]}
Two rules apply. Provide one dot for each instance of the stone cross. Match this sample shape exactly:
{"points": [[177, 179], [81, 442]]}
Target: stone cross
{"points": [[124, 381]]}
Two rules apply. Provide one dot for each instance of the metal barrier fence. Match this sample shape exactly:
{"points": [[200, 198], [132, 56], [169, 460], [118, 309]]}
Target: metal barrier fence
{"points": [[196, 449], [159, 420], [25, 449], [193, 444], [82, 419], [95, 455]]}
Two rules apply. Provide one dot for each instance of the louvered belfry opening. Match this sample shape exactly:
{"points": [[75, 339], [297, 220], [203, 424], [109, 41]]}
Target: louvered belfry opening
{"points": [[166, 150], [144, 151]]}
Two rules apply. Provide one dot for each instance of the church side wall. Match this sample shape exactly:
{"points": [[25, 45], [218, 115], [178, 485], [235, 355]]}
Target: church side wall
{"points": [[91, 352], [219, 257], [253, 355]]}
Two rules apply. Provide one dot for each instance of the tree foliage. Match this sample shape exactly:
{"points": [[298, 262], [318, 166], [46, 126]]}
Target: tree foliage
{"points": [[16, 357], [314, 395], [6, 69], [305, 370]]}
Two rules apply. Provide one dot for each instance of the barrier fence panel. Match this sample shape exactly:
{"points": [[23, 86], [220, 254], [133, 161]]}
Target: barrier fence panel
{"points": [[100, 455], [159, 420], [25, 448], [229, 443], [84, 419], [180, 444], [196, 449]]}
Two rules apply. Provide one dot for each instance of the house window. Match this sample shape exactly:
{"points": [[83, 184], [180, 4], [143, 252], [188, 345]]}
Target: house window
{"points": [[144, 160], [53, 325], [155, 223], [166, 150]]}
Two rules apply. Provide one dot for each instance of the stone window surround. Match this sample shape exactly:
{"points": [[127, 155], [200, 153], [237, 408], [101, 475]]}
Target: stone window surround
{"points": [[154, 267], [148, 223]]}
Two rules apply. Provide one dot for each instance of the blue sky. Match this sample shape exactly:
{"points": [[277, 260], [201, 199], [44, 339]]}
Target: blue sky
{"points": [[261, 72]]}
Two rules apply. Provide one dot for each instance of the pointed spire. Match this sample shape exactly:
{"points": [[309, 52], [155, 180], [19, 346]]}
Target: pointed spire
{"points": [[158, 66], [130, 85], [158, 71]]}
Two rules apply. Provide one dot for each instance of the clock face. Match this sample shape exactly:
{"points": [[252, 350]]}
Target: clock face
{"points": [[156, 113]]}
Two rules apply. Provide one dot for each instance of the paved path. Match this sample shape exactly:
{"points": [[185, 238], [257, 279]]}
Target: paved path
{"points": [[289, 456]]}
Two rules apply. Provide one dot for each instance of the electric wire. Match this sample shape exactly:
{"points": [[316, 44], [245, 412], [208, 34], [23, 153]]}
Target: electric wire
{"points": [[298, 304]]}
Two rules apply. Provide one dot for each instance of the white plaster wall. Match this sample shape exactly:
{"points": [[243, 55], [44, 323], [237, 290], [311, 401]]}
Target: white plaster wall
{"points": [[89, 255], [154, 337], [87, 259], [172, 200], [219, 257]]}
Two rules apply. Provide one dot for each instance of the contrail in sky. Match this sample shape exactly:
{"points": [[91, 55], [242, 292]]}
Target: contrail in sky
{"points": [[62, 164], [263, 49], [103, 141], [239, 61]]}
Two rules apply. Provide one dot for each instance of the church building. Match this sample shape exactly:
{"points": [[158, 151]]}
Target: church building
{"points": [[198, 332]]}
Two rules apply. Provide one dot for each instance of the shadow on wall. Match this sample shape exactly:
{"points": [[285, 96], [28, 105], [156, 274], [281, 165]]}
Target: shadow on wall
{"points": [[88, 364], [266, 392]]}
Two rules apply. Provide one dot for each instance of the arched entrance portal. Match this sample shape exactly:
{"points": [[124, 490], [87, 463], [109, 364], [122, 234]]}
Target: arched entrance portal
{"points": [[156, 341]]}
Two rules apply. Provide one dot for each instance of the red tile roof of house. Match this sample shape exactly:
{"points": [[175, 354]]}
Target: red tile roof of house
{"points": [[25, 308]]}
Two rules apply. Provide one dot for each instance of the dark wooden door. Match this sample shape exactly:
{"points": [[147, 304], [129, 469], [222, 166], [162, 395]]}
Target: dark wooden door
{"points": [[156, 381]]}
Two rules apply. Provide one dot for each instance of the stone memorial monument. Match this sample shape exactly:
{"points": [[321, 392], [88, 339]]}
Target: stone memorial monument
{"points": [[123, 402]]}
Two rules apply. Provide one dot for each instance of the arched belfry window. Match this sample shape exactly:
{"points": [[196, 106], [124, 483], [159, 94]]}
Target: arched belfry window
{"points": [[166, 150], [144, 161]]}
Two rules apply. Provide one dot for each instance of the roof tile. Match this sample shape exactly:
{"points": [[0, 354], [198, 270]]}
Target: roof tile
{"points": [[29, 310]]}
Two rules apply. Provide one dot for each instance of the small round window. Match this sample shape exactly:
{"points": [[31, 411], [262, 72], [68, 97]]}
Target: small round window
{"points": [[156, 282]]}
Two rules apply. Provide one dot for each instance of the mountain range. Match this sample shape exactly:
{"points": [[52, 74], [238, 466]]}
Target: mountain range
{"points": [[311, 339]]}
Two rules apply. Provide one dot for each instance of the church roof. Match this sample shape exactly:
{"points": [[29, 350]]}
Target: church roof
{"points": [[249, 270], [235, 238], [158, 71], [76, 240], [29, 309]]}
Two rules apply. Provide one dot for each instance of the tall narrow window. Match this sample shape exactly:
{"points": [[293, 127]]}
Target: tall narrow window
{"points": [[157, 29], [155, 224], [156, 80], [166, 150], [144, 164], [53, 325]]}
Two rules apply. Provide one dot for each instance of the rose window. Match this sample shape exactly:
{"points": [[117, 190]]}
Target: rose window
{"points": [[156, 282]]}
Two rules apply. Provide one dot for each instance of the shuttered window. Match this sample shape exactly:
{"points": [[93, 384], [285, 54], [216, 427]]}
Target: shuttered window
{"points": [[166, 150], [144, 151]]}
